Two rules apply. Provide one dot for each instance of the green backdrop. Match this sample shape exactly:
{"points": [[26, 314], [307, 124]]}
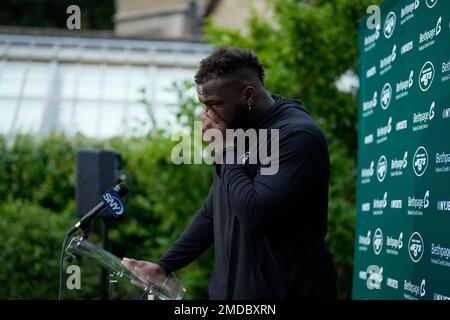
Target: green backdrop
{"points": [[402, 244]]}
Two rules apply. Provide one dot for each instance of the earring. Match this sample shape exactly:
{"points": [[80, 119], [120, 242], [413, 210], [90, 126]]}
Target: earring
{"points": [[249, 106]]}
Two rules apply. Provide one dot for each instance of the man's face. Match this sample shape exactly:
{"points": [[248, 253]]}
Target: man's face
{"points": [[226, 98]]}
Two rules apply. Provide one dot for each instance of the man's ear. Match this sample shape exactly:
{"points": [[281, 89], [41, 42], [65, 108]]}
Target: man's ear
{"points": [[249, 94]]}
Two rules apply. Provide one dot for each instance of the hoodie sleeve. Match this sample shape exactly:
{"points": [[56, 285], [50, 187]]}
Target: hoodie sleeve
{"points": [[256, 202], [197, 237]]}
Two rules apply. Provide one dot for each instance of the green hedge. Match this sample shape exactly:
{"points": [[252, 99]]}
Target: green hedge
{"points": [[37, 208]]}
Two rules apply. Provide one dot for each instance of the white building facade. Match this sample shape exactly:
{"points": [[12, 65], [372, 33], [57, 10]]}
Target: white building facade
{"points": [[88, 84]]}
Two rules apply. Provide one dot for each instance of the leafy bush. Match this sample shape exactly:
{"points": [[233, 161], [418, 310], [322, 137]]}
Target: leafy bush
{"points": [[37, 185], [29, 251]]}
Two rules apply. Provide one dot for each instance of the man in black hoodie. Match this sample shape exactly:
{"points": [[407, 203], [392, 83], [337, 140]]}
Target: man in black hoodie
{"points": [[268, 230]]}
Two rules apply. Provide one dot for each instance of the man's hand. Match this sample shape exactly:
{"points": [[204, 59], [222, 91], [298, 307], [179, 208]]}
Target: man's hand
{"points": [[211, 120], [147, 272]]}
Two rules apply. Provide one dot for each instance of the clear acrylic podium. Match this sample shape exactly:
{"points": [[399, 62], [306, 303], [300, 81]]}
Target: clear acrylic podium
{"points": [[167, 289]]}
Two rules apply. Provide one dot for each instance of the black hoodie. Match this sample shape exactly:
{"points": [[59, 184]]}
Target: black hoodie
{"points": [[268, 230]]}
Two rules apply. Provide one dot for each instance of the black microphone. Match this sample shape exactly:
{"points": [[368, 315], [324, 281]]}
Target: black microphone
{"points": [[121, 190]]}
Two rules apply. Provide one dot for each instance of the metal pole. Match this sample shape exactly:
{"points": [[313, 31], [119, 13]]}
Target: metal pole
{"points": [[105, 281]]}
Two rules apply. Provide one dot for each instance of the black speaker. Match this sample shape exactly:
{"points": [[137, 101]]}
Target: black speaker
{"points": [[97, 171]]}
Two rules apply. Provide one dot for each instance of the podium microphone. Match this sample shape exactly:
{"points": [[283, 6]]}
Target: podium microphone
{"points": [[111, 200]]}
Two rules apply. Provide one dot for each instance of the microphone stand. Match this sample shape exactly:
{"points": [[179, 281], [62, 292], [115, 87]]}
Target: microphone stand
{"points": [[86, 231], [84, 224]]}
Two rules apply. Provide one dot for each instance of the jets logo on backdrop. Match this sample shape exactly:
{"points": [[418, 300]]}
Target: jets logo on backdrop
{"points": [[382, 168], [389, 24], [431, 3], [426, 76], [420, 161], [415, 247], [386, 95], [377, 241]]}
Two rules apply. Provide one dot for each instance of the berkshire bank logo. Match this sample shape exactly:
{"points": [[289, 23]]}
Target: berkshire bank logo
{"points": [[420, 161], [377, 241], [415, 247], [382, 168], [431, 3], [389, 25], [386, 95], [426, 76]]}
